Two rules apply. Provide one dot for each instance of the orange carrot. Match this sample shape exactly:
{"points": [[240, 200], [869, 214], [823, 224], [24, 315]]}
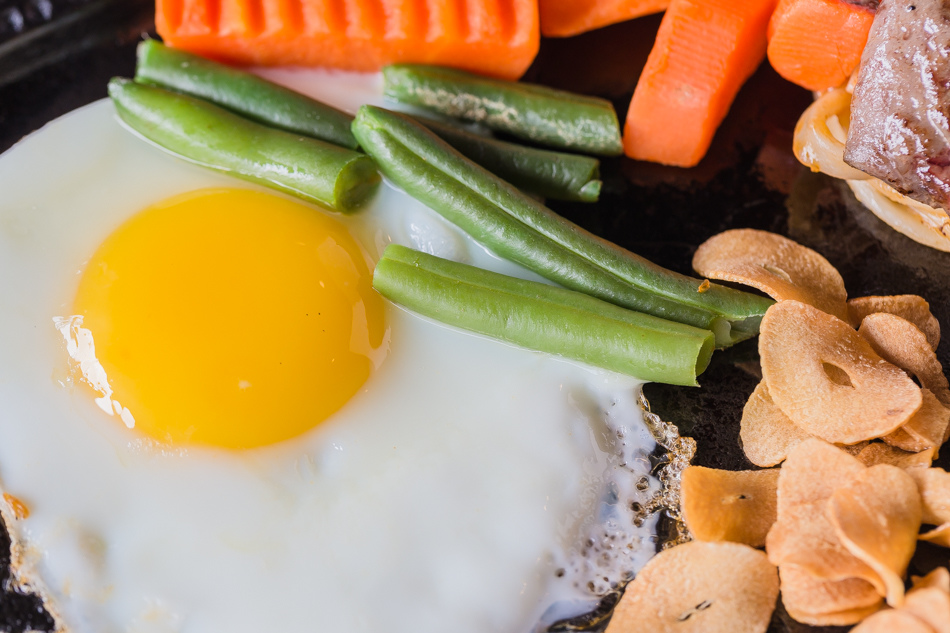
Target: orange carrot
{"points": [[493, 37], [817, 44], [563, 18], [704, 52]]}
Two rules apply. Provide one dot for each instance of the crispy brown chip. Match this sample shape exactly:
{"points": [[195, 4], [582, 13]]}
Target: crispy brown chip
{"points": [[925, 429], [926, 608], [934, 487], [839, 618], [725, 505], [827, 379], [911, 307], [893, 621], [776, 265], [826, 603], [939, 578], [700, 587], [767, 434], [854, 449], [929, 600], [877, 453], [877, 516], [803, 535], [938, 536], [900, 342], [813, 471]]}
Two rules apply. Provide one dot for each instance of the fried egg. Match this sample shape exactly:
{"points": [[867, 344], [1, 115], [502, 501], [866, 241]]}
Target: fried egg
{"points": [[212, 423]]}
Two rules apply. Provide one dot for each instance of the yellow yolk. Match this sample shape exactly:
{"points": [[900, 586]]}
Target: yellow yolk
{"points": [[231, 318]]}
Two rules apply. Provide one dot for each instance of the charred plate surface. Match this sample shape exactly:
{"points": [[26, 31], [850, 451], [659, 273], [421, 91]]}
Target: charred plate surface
{"points": [[18, 611], [749, 179], [56, 55], [900, 131]]}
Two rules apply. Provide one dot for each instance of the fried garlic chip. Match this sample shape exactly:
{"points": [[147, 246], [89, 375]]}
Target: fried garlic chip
{"points": [[803, 534], [877, 453], [929, 600], [911, 307], [776, 265], [900, 342], [725, 505], [854, 449], [820, 602], [937, 536], [767, 434], [926, 608], [828, 380], [939, 578], [926, 429], [891, 622], [934, 487], [700, 588], [877, 516]]}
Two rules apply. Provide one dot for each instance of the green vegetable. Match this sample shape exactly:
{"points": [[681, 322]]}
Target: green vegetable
{"points": [[546, 116], [543, 317], [550, 174], [211, 136], [521, 229], [242, 93]]}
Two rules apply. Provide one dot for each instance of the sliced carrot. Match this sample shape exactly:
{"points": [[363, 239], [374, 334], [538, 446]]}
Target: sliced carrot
{"points": [[817, 44], [704, 52], [563, 18], [492, 37]]}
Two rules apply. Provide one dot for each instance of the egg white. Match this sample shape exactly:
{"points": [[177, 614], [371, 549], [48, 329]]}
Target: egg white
{"points": [[469, 486]]}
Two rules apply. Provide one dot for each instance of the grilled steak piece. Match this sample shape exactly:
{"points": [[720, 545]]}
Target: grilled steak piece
{"points": [[899, 115]]}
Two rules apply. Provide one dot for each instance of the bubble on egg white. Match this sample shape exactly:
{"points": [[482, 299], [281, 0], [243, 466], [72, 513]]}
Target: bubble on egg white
{"points": [[469, 484]]}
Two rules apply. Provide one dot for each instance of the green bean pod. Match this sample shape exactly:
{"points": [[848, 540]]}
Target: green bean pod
{"points": [[242, 93], [213, 137], [518, 228], [544, 318], [550, 117], [549, 174]]}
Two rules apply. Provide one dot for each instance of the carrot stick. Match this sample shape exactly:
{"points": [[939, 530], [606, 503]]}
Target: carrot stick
{"points": [[492, 37], [817, 44], [704, 52], [563, 18]]}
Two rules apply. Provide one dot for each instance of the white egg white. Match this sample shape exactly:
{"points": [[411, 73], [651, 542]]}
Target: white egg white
{"points": [[469, 486]]}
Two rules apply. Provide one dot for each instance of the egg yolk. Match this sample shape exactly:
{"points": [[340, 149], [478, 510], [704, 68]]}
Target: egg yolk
{"points": [[231, 318]]}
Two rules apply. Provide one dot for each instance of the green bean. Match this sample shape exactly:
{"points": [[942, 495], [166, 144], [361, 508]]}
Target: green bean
{"points": [[549, 174], [213, 137], [543, 317], [242, 93], [518, 228], [528, 111]]}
